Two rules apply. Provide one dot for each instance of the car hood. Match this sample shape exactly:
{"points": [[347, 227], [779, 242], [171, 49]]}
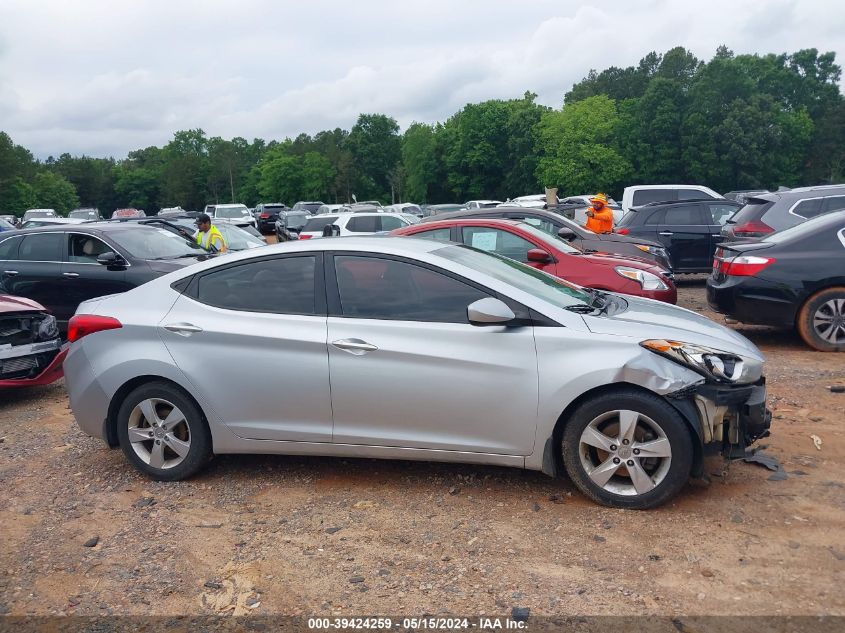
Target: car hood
{"points": [[164, 266], [615, 237], [614, 259], [649, 319], [10, 304]]}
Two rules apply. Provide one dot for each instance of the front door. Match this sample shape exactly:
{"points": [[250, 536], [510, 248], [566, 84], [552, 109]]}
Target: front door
{"points": [[82, 277], [408, 370], [251, 339]]}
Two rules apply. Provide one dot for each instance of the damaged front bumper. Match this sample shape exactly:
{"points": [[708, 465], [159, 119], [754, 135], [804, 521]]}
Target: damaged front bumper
{"points": [[728, 418]]}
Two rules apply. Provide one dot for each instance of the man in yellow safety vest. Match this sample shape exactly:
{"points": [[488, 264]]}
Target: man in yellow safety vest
{"points": [[209, 235]]}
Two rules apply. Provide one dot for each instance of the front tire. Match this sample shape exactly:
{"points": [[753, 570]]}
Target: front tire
{"points": [[162, 432], [821, 320], [627, 449]]}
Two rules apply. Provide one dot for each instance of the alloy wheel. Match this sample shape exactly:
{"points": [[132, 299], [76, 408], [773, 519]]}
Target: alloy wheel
{"points": [[159, 433], [829, 321], [625, 452]]}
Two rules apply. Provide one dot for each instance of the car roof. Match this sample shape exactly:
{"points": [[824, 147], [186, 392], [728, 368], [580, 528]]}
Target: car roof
{"points": [[670, 203], [101, 226], [481, 213], [473, 220]]}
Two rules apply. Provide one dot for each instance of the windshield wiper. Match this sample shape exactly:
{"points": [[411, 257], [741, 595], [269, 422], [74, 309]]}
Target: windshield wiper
{"points": [[181, 256]]}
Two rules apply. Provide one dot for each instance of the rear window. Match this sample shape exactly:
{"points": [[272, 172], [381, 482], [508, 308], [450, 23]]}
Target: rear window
{"points": [[683, 215], [9, 248], [834, 203], [318, 223], [645, 196], [752, 211], [43, 247]]}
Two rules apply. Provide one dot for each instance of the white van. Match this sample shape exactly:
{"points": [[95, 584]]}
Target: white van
{"points": [[638, 195]]}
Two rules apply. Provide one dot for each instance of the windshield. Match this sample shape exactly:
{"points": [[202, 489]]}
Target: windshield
{"points": [[556, 291], [151, 243], [231, 212], [319, 223], [5, 225], [237, 239], [40, 214], [83, 213]]}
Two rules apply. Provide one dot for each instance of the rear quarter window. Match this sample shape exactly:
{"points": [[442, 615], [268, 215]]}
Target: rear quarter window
{"points": [[752, 211], [9, 248]]}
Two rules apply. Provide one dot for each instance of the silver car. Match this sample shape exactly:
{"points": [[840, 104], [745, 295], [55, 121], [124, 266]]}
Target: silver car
{"points": [[514, 368]]}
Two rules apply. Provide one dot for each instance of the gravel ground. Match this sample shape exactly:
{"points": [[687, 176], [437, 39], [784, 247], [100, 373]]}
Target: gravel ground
{"points": [[83, 533]]}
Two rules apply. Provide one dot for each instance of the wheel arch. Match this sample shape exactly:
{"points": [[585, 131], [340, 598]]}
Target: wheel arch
{"points": [[552, 463], [128, 387]]}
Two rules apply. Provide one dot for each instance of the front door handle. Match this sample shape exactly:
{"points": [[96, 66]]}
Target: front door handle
{"points": [[665, 233], [11, 273], [354, 346], [70, 275], [183, 329]]}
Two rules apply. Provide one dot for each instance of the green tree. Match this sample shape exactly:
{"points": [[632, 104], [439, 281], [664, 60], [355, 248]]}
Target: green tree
{"points": [[185, 172], [317, 176], [53, 191], [576, 146], [376, 150], [18, 196], [419, 161], [281, 176]]}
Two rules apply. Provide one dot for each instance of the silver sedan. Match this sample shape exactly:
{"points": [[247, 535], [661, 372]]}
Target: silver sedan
{"points": [[296, 348]]}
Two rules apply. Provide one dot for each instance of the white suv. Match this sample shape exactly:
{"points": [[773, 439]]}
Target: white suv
{"points": [[236, 214], [354, 223]]}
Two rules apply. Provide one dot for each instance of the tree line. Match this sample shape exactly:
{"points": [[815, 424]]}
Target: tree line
{"points": [[733, 122]]}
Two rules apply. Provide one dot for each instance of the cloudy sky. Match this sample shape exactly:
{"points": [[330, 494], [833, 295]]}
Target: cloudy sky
{"points": [[102, 77]]}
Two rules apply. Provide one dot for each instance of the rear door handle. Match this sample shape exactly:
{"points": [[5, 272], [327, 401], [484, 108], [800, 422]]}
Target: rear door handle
{"points": [[354, 346], [183, 329], [71, 275], [11, 273], [665, 233]]}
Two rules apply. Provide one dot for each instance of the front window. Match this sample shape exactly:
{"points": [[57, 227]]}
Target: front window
{"points": [[497, 241], [84, 249], [152, 243], [556, 291], [376, 288]]}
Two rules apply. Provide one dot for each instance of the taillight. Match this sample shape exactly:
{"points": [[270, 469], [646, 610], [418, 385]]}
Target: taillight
{"points": [[264, 216], [84, 324], [622, 231], [304, 236], [754, 228], [742, 266]]}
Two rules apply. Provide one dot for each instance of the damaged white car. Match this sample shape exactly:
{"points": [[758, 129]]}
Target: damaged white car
{"points": [[511, 367]]}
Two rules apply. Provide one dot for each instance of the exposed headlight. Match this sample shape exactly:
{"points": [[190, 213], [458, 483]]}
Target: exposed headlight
{"points": [[712, 363], [646, 280]]}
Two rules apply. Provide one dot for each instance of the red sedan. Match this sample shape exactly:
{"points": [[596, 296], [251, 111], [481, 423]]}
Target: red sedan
{"points": [[31, 352], [529, 245]]}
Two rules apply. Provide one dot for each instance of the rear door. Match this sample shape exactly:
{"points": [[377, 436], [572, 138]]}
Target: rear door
{"points": [[408, 370], [251, 339], [685, 232], [35, 272]]}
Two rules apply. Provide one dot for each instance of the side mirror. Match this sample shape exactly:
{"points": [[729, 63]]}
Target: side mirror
{"points": [[566, 233], [489, 311], [109, 258], [539, 255]]}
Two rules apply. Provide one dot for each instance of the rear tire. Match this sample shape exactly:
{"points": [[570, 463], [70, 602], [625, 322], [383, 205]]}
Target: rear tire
{"points": [[162, 432], [627, 449], [821, 320]]}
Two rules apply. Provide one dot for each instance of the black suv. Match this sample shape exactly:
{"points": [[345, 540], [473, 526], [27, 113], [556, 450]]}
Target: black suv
{"points": [[266, 215], [689, 230]]}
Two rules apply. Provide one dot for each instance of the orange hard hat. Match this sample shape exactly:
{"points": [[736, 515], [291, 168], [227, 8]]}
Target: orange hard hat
{"points": [[599, 197]]}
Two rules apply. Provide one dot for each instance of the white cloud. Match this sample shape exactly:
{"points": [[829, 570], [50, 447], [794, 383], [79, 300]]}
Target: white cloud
{"points": [[104, 77]]}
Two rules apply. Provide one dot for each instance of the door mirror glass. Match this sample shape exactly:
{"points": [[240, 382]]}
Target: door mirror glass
{"points": [[489, 311], [539, 255], [110, 258], [566, 233]]}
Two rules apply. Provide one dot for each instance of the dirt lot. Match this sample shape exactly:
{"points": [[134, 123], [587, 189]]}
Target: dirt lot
{"points": [[269, 535]]}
